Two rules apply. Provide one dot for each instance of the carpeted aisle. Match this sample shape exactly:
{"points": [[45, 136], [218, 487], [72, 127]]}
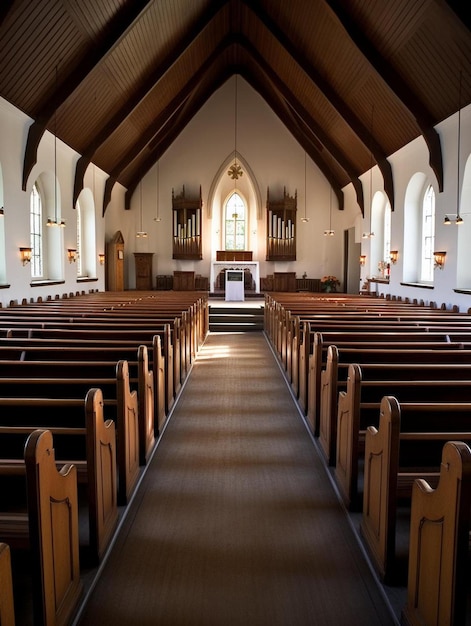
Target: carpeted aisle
{"points": [[236, 522]]}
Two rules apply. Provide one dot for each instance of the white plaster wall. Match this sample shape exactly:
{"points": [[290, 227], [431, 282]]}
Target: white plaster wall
{"points": [[14, 127], [197, 156]]}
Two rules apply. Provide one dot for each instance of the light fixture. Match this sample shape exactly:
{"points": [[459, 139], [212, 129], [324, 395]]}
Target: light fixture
{"points": [[362, 260], [393, 256], [141, 233], [25, 255], [330, 232], [439, 259], [370, 234], [72, 255], [101, 258], [55, 221], [235, 171], [157, 216], [458, 220], [305, 218]]}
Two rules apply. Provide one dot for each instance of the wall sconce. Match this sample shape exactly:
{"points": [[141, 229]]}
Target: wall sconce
{"points": [[362, 260], [439, 259], [101, 258], [72, 255], [393, 256], [25, 255]]}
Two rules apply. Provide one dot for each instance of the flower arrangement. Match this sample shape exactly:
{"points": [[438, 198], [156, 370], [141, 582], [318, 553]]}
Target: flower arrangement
{"points": [[329, 283]]}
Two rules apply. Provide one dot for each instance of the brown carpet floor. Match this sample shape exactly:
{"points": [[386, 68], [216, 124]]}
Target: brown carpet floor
{"points": [[235, 522]]}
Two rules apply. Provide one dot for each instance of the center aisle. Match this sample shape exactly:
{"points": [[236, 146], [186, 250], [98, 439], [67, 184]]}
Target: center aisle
{"points": [[236, 522]]}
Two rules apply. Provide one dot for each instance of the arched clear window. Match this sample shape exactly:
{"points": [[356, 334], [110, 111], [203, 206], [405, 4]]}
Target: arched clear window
{"points": [[428, 235], [86, 234], [79, 239], [387, 232], [235, 223], [36, 233]]}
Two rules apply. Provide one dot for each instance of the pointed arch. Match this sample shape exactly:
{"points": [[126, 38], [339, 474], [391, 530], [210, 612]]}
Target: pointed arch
{"points": [[249, 179]]}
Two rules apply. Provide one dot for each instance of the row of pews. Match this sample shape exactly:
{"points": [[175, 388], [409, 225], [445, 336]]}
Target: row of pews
{"points": [[385, 387], [87, 384]]}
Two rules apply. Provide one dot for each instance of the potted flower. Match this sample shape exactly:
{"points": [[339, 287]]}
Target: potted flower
{"points": [[329, 283]]}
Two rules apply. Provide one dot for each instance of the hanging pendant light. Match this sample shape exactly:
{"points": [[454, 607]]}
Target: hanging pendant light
{"points": [[141, 233], [157, 217], [235, 171], [305, 218], [55, 221], [370, 233], [330, 232], [458, 220]]}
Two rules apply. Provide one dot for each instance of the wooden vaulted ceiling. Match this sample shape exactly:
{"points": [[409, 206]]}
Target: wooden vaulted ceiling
{"points": [[352, 80]]}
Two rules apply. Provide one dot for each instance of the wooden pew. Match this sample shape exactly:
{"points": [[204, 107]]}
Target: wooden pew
{"points": [[83, 373], [120, 403], [376, 341], [334, 377], [174, 359], [313, 351], [319, 316], [438, 578], [81, 434], [49, 529], [359, 408], [406, 445], [7, 606], [50, 349]]}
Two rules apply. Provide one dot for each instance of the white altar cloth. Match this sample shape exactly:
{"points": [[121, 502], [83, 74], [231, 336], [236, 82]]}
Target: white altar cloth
{"points": [[217, 266]]}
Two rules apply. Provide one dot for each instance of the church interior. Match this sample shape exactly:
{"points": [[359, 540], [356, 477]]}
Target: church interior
{"points": [[276, 161]]}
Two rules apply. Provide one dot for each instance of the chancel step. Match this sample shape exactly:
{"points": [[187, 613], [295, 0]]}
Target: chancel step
{"points": [[235, 319]]}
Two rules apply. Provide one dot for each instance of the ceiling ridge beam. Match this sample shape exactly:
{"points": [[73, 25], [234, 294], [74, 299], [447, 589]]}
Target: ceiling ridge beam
{"points": [[121, 23], [330, 94], [133, 102], [396, 84]]}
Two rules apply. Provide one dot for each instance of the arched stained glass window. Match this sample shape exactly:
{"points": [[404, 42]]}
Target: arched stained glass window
{"points": [[235, 223]]}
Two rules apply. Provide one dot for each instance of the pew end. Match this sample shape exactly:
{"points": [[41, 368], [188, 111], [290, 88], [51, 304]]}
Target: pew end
{"points": [[7, 605], [439, 543]]}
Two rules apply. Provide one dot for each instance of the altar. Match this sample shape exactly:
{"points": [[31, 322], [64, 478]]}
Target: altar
{"points": [[218, 266]]}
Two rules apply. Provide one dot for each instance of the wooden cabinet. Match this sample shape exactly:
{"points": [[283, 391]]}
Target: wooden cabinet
{"points": [[183, 281], [281, 227], [284, 281], [143, 263], [186, 213], [115, 263]]}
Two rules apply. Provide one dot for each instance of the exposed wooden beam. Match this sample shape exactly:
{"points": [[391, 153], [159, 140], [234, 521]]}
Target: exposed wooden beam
{"points": [[338, 103], [134, 100], [5, 9], [460, 8], [312, 127], [150, 138], [305, 139], [121, 24], [171, 132], [396, 84]]}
